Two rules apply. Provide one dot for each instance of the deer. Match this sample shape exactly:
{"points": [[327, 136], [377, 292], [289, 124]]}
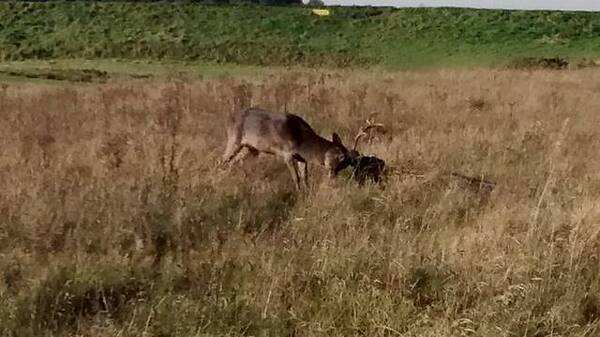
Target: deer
{"points": [[287, 136], [367, 167], [294, 140]]}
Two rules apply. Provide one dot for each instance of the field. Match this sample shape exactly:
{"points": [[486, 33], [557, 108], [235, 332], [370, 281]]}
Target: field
{"points": [[263, 35], [114, 220]]}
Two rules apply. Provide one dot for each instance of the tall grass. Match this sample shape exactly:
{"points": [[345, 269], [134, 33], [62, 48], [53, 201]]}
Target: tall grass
{"points": [[114, 220]]}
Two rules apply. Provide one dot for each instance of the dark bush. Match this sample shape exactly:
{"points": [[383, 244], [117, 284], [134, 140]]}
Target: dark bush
{"points": [[555, 63]]}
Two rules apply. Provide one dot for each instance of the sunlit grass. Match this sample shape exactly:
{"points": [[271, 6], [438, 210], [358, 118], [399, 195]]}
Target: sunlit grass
{"points": [[114, 220]]}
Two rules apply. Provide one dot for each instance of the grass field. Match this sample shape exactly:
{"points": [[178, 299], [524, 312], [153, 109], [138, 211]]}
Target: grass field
{"points": [[114, 220], [263, 35]]}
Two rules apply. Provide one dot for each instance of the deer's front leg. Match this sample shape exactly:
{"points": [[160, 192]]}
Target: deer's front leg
{"points": [[291, 164]]}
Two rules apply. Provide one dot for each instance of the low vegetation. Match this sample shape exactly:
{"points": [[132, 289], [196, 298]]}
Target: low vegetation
{"points": [[267, 35], [114, 220]]}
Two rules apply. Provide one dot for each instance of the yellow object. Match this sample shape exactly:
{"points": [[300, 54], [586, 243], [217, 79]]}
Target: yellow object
{"points": [[321, 12]]}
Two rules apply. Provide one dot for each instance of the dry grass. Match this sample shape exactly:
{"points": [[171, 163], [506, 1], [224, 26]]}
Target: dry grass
{"points": [[115, 222]]}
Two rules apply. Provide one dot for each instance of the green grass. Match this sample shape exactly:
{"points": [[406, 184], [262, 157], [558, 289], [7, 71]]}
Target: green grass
{"points": [[261, 35]]}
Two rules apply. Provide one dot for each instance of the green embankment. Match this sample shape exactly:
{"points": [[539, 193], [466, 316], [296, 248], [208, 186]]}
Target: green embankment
{"points": [[261, 35]]}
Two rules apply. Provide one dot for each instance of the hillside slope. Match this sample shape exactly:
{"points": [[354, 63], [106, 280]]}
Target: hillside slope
{"points": [[261, 35]]}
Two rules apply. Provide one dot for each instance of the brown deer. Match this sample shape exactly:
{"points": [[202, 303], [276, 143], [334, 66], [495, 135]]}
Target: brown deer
{"points": [[287, 136]]}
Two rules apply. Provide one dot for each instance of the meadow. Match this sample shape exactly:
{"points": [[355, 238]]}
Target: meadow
{"points": [[115, 220], [267, 35]]}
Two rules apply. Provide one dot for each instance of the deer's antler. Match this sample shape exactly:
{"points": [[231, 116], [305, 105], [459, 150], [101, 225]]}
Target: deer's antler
{"points": [[363, 131]]}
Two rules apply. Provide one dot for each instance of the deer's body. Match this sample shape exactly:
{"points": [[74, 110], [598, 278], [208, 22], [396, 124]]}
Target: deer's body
{"points": [[287, 136]]}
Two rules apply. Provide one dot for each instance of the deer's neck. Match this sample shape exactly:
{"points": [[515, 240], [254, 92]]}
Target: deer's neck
{"points": [[315, 149]]}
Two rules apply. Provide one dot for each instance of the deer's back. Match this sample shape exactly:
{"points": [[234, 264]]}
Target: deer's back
{"points": [[272, 132]]}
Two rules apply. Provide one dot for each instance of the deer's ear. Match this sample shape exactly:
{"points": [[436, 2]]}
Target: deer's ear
{"points": [[336, 139]]}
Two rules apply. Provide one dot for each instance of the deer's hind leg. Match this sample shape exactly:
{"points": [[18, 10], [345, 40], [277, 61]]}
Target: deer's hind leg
{"points": [[230, 153], [245, 152], [233, 147]]}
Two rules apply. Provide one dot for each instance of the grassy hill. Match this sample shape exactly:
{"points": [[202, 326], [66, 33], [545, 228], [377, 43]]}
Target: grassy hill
{"points": [[260, 35]]}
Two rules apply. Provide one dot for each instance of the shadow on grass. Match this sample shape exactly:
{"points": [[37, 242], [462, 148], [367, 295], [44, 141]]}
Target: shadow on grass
{"points": [[71, 75]]}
